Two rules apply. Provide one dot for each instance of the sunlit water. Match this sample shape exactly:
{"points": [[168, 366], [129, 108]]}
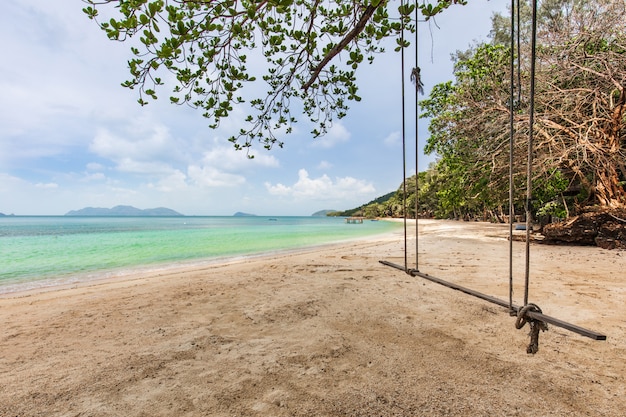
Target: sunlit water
{"points": [[44, 251]]}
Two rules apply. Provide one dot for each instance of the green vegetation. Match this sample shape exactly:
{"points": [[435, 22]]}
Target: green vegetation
{"points": [[211, 50], [579, 141], [579, 138], [370, 209]]}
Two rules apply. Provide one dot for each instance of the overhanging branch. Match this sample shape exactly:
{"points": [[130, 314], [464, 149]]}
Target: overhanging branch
{"points": [[358, 28]]}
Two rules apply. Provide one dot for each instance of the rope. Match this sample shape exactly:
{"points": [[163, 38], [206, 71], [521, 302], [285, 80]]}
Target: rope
{"points": [[535, 326], [406, 267], [416, 144], [519, 58], [531, 122], [511, 143], [522, 315]]}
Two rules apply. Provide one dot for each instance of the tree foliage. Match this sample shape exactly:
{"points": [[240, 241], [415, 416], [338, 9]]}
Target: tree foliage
{"points": [[210, 50], [579, 142], [582, 118], [580, 123]]}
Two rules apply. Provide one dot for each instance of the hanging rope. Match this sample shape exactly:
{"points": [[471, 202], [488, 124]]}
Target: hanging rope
{"points": [[519, 60], [523, 312], [531, 122], [511, 154], [419, 87], [406, 266]]}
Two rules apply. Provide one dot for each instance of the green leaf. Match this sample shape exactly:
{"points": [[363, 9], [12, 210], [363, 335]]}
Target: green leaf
{"points": [[90, 12], [205, 44]]}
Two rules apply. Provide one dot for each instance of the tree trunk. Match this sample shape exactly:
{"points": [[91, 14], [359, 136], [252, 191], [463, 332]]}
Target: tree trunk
{"points": [[608, 191]]}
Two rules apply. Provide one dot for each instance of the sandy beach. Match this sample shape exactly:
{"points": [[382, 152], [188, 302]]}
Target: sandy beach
{"points": [[327, 331]]}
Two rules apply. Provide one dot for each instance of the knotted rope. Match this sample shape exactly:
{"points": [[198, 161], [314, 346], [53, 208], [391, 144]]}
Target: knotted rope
{"points": [[535, 325]]}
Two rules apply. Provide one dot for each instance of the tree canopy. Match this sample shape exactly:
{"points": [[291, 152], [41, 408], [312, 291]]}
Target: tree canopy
{"points": [[580, 119], [579, 148], [210, 54], [210, 50]]}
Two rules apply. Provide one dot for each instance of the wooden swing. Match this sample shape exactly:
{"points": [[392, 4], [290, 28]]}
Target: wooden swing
{"points": [[528, 312]]}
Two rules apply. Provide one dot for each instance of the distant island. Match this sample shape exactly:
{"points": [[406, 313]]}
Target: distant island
{"points": [[320, 213], [129, 211], [241, 214]]}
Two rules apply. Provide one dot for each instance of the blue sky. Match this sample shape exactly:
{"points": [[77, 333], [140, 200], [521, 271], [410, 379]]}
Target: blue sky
{"points": [[72, 137]]}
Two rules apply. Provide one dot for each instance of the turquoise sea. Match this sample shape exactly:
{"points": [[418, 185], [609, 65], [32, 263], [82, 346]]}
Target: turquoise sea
{"points": [[51, 250]]}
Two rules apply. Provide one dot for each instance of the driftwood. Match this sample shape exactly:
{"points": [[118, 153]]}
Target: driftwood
{"points": [[603, 228]]}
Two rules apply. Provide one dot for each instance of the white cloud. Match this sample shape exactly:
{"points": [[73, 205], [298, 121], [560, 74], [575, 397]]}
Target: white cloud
{"points": [[176, 181], [49, 185], [96, 176], [141, 140], [120, 193], [322, 188], [208, 176], [62, 81], [143, 147], [324, 165], [278, 189], [147, 148], [9, 182], [146, 168], [224, 166], [23, 197], [228, 158], [94, 166], [393, 139]]}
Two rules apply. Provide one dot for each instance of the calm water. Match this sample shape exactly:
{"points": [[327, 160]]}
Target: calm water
{"points": [[43, 251]]}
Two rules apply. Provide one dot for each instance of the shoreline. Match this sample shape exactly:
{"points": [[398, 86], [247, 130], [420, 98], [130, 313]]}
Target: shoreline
{"points": [[78, 280], [325, 332]]}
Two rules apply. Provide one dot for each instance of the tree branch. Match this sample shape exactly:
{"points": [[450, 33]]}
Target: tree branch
{"points": [[358, 28]]}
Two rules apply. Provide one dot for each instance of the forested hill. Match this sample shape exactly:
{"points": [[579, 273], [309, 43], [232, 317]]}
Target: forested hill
{"points": [[359, 211]]}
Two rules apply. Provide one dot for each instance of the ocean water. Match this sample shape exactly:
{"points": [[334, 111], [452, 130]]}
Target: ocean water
{"points": [[45, 251]]}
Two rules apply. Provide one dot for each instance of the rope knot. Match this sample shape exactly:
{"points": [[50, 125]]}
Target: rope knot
{"points": [[535, 325]]}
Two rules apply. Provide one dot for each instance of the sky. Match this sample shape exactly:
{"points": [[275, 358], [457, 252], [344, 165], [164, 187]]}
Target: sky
{"points": [[72, 137]]}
